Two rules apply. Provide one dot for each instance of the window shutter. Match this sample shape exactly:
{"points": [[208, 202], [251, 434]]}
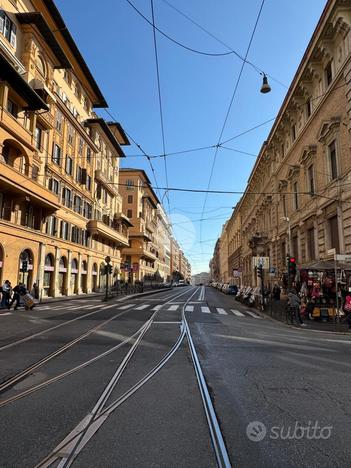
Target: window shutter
{"points": [[84, 177], [50, 183], [2, 21], [13, 40]]}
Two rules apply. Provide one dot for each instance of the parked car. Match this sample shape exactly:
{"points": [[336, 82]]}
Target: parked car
{"points": [[231, 289], [181, 283], [225, 287]]}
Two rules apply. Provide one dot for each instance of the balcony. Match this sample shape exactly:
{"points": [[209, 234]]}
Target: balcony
{"points": [[118, 233], [107, 183], [15, 127], [18, 181], [142, 252], [139, 230]]}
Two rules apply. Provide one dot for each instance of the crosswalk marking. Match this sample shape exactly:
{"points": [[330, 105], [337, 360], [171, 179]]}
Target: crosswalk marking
{"points": [[205, 310], [158, 307], [108, 306], [127, 306], [252, 314], [5, 313], [237, 313], [221, 311], [141, 307], [189, 308], [173, 307]]}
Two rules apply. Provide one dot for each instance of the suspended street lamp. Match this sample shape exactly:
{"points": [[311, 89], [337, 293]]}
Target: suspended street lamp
{"points": [[265, 86]]}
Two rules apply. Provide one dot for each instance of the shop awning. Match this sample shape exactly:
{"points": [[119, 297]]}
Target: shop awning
{"points": [[323, 265]]}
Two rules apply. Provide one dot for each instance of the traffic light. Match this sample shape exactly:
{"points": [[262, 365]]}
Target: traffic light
{"points": [[24, 266], [109, 268], [260, 271], [292, 266]]}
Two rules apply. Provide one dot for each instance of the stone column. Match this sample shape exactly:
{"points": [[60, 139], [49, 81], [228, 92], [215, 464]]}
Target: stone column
{"points": [[69, 271], [41, 265], [79, 282], [55, 291], [89, 274]]}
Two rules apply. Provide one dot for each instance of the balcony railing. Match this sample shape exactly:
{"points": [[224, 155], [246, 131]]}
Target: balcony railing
{"points": [[117, 232]]}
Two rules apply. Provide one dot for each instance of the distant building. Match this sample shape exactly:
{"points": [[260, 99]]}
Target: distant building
{"points": [[200, 278]]}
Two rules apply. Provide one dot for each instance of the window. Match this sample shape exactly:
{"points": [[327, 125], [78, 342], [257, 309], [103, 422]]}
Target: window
{"points": [[282, 150], [67, 76], [130, 184], [67, 197], [64, 230], [51, 226], [56, 154], [284, 205], [328, 71], [308, 108], [293, 132], [12, 108], [88, 155], [69, 165], [81, 145], [54, 186], [70, 134], [77, 204], [310, 178], [332, 160], [311, 244], [130, 198], [35, 172], [8, 28], [129, 213], [75, 238], [79, 175], [334, 233], [87, 210], [59, 121], [88, 183], [295, 246], [38, 134]]}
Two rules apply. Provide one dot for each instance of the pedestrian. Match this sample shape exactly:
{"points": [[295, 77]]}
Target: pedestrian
{"points": [[276, 292], [6, 294], [35, 291], [347, 309], [294, 304], [16, 296]]}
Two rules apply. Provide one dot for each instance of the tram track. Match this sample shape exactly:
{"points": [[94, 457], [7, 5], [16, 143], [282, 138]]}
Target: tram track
{"points": [[9, 383], [66, 452]]}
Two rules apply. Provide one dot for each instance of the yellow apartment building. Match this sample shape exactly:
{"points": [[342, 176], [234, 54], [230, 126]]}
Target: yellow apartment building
{"points": [[60, 209], [139, 205]]}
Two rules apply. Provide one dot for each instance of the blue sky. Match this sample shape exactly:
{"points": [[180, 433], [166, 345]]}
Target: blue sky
{"points": [[196, 90]]}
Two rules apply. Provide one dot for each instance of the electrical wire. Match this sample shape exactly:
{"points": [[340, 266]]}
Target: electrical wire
{"points": [[229, 108], [255, 67], [209, 54]]}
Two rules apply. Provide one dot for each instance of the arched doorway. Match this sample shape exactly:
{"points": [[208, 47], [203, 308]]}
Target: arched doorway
{"points": [[102, 278], [94, 275], [15, 156], [74, 276], [62, 282], [1, 262], [84, 276], [25, 274], [48, 275]]}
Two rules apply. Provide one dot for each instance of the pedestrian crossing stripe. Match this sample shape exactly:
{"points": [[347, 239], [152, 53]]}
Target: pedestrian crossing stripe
{"points": [[221, 311], [173, 307], [158, 307], [205, 310], [252, 314], [141, 307], [127, 306], [189, 308], [237, 313]]}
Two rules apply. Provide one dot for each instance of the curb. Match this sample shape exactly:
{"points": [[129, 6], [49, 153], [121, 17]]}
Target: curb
{"points": [[146, 293]]}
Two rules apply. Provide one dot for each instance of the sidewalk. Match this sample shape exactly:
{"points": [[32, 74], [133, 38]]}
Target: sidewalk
{"points": [[276, 311]]}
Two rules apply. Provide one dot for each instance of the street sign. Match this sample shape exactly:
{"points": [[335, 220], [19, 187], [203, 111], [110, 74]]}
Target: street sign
{"points": [[260, 261], [342, 258], [236, 273]]}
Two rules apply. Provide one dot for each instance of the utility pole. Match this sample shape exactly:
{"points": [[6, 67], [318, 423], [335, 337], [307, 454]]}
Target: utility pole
{"points": [[108, 270]]}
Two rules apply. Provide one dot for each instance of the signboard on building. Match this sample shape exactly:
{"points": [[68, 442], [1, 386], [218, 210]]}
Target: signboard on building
{"points": [[236, 273], [260, 261], [342, 258]]}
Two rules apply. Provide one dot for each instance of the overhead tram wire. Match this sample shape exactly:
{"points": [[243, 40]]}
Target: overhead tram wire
{"points": [[255, 67], [229, 109], [196, 51], [160, 100]]}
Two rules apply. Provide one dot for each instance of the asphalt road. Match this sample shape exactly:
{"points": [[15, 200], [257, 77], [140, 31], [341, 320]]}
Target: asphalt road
{"points": [[291, 386]]}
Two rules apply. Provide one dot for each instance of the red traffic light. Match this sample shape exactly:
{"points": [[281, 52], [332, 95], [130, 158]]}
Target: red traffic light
{"points": [[292, 260]]}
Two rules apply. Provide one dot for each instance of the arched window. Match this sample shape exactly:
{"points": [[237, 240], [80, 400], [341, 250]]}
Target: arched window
{"points": [[63, 263], [74, 265]]}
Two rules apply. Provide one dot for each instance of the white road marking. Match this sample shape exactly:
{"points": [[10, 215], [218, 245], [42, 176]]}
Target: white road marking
{"points": [[221, 311], [252, 314], [6, 313], [141, 307], [158, 307], [189, 308], [205, 310], [173, 307], [108, 306], [127, 306], [237, 313]]}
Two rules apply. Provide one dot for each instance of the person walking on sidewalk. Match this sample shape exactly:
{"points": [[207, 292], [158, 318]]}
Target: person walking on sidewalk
{"points": [[6, 294], [294, 304], [18, 291]]}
